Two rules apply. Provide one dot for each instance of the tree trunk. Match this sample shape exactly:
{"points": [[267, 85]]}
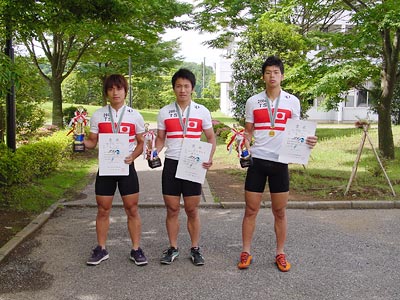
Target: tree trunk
{"points": [[385, 134], [2, 123], [57, 114]]}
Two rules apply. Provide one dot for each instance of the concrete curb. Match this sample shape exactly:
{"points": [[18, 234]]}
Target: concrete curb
{"points": [[29, 229]]}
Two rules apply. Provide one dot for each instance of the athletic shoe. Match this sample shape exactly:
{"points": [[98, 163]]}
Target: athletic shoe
{"points": [[281, 262], [245, 260], [98, 256], [169, 255], [196, 256], [138, 257]]}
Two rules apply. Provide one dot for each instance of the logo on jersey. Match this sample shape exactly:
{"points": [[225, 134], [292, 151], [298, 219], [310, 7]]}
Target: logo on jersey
{"points": [[192, 124], [124, 129]]}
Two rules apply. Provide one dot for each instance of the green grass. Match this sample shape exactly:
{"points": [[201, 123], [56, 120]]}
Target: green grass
{"points": [[328, 172], [71, 176]]}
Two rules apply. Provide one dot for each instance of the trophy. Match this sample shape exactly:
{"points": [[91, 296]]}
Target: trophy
{"points": [[149, 151], [78, 123], [238, 140]]}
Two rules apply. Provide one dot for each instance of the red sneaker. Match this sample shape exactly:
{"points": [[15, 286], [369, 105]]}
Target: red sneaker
{"points": [[281, 262], [245, 260]]}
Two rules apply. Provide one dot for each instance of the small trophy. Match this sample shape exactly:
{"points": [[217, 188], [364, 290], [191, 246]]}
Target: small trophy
{"points": [[245, 159], [149, 151], [238, 140], [78, 123]]}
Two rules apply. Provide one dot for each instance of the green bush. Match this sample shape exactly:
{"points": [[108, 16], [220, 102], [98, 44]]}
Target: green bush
{"points": [[32, 161], [210, 103]]}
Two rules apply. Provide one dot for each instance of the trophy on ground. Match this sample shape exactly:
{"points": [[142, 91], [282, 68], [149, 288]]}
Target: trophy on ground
{"points": [[78, 123], [238, 140], [149, 151]]}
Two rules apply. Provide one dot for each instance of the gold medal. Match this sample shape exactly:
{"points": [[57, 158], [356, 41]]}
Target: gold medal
{"points": [[271, 133]]}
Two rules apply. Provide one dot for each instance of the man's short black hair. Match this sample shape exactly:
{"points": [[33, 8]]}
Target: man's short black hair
{"points": [[185, 74], [117, 80], [273, 61]]}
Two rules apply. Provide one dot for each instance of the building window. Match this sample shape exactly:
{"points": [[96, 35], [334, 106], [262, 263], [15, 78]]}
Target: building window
{"points": [[362, 99], [350, 99]]}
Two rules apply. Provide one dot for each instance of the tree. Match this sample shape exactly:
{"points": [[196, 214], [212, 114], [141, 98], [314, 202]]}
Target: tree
{"points": [[260, 41], [232, 17], [66, 30], [369, 51]]}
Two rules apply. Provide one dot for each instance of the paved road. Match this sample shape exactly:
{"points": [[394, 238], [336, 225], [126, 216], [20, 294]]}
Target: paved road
{"points": [[340, 254], [336, 254]]}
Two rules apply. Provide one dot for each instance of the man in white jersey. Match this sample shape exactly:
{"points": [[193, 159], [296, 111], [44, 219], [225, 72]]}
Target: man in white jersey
{"points": [[266, 116], [183, 119], [119, 119]]}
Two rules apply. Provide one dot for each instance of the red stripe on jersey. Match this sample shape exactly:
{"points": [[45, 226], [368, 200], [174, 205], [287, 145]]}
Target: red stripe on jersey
{"points": [[262, 116], [105, 127], [269, 128], [174, 125], [180, 136]]}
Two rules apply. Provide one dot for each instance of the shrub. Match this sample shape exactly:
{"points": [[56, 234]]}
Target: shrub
{"points": [[30, 161], [210, 103]]}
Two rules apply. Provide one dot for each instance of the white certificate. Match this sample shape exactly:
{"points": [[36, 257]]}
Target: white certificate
{"points": [[113, 148], [294, 148], [193, 154]]}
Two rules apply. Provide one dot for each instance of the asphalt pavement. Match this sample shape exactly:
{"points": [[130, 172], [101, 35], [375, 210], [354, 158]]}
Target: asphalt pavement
{"points": [[336, 253]]}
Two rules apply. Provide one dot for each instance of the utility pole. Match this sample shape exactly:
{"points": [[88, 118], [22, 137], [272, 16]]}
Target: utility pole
{"points": [[10, 100], [130, 81], [204, 76]]}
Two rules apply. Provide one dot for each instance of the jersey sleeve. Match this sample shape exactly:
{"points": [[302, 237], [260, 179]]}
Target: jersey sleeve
{"points": [[94, 123], [140, 123], [249, 116], [160, 120]]}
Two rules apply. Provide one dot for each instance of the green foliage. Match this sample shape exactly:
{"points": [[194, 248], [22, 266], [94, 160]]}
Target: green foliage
{"points": [[210, 104], [68, 114], [258, 42], [32, 160], [104, 31], [75, 89]]}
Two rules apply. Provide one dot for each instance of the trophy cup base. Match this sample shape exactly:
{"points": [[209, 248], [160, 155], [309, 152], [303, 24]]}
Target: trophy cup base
{"points": [[78, 147], [154, 163], [246, 162]]}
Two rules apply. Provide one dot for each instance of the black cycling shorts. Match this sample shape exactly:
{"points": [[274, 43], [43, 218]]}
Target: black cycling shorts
{"points": [[173, 186], [261, 170], [127, 185]]}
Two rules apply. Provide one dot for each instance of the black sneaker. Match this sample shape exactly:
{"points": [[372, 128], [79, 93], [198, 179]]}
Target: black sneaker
{"points": [[138, 257], [196, 256], [170, 254], [98, 256]]}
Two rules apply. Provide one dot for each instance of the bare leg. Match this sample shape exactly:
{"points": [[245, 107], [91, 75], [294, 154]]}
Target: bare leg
{"points": [[134, 220], [279, 203], [193, 218], [253, 202], [104, 205], [172, 220]]}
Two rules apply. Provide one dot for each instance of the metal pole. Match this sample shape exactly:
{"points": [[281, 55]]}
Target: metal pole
{"points": [[10, 100], [204, 76], [130, 81]]}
